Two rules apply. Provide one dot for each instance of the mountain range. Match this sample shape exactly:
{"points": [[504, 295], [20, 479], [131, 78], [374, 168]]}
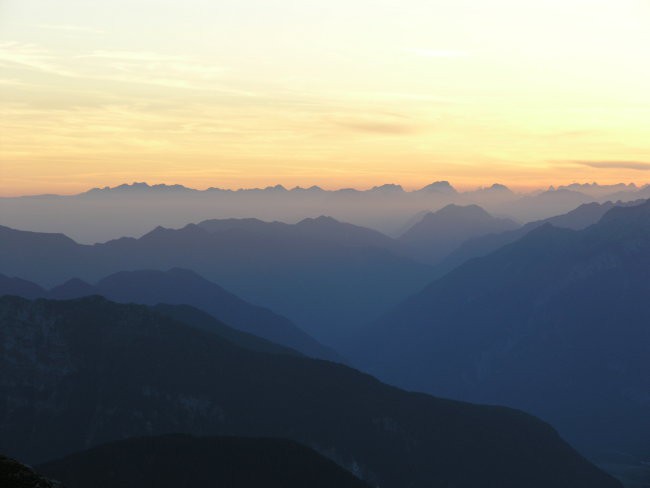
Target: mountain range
{"points": [[184, 287], [324, 275], [577, 219], [555, 323], [76, 374], [105, 213]]}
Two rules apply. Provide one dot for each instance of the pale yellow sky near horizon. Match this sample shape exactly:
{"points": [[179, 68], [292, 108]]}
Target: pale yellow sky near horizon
{"points": [[242, 93]]}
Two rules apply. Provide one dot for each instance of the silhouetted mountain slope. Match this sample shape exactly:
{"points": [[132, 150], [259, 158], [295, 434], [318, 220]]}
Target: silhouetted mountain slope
{"points": [[555, 323], [182, 287], [79, 373], [178, 286], [73, 288], [550, 202], [20, 287], [187, 314], [577, 219], [322, 230], [174, 461], [16, 475], [204, 321], [438, 234], [325, 276]]}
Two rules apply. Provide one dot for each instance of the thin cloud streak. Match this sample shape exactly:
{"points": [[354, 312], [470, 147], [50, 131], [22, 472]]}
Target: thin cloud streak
{"points": [[638, 165]]}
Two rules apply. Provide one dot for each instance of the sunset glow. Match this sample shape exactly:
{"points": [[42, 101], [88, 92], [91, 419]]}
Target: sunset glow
{"points": [[257, 92]]}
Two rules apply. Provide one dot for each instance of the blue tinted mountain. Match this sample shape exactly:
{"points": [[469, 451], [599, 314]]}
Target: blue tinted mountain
{"points": [[20, 287], [585, 215], [182, 287], [324, 275], [437, 234], [556, 323], [80, 373], [321, 229]]}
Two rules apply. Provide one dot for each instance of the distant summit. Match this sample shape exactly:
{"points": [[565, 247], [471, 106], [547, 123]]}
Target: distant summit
{"points": [[387, 188], [439, 187], [496, 189], [138, 187], [438, 233]]}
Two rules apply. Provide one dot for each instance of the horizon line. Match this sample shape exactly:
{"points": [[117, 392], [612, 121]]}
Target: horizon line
{"points": [[279, 187]]}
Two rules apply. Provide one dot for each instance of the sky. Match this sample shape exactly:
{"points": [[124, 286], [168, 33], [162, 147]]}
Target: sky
{"points": [[247, 93]]}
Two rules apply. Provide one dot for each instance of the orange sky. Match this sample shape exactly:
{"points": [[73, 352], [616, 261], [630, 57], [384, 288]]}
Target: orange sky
{"points": [[253, 93]]}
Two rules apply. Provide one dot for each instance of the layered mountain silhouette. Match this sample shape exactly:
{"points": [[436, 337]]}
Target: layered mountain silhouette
{"points": [[181, 287], [437, 234], [324, 275], [181, 460], [577, 219], [133, 209], [324, 230], [20, 287], [184, 287], [556, 323], [75, 374]]}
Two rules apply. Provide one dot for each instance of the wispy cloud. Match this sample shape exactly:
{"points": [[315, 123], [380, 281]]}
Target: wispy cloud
{"points": [[135, 67], [30, 56], [638, 165]]}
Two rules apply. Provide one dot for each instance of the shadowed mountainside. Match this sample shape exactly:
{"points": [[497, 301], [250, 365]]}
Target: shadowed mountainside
{"points": [[184, 287], [555, 323], [82, 372], [178, 460]]}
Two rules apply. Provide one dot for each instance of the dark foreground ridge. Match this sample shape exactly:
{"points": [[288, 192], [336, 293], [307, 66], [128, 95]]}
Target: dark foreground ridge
{"points": [[16, 475], [173, 461], [79, 373]]}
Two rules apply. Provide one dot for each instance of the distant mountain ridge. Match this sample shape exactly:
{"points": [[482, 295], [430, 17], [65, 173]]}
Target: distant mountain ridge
{"points": [[307, 272], [104, 213], [180, 287], [437, 234], [583, 216]]}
